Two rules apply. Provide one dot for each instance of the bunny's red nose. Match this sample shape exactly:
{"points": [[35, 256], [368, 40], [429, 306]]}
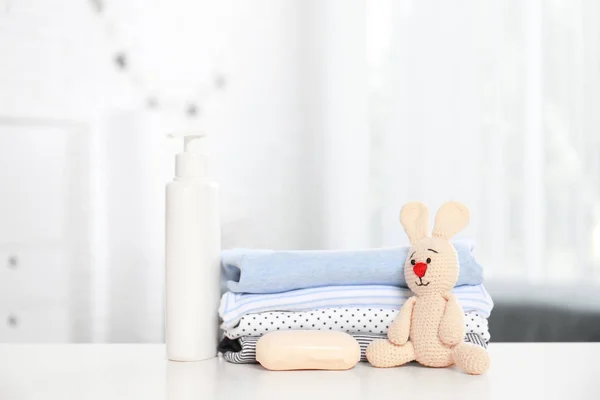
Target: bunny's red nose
{"points": [[420, 269]]}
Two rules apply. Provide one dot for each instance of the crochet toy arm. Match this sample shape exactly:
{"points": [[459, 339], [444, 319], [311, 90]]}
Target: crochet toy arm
{"points": [[400, 328], [452, 326]]}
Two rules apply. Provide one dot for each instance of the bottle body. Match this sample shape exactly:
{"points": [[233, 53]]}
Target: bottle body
{"points": [[193, 247]]}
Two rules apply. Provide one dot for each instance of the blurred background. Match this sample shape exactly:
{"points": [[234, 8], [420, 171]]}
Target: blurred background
{"points": [[323, 117]]}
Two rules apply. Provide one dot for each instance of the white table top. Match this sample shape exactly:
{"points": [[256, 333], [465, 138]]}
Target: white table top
{"points": [[98, 371]]}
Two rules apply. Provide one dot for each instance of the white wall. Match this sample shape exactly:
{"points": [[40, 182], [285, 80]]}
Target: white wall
{"points": [[55, 80], [335, 114], [55, 61], [258, 154], [57, 64], [491, 103]]}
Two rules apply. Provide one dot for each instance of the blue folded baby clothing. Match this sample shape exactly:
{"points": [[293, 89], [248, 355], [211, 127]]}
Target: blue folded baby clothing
{"points": [[234, 306], [270, 271]]}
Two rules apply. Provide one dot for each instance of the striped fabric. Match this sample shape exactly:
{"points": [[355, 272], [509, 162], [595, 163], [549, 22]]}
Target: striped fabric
{"points": [[247, 355], [475, 339], [235, 305]]}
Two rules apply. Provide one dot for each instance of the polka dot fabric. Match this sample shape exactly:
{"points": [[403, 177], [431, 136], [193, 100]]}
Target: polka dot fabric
{"points": [[475, 323], [350, 320]]}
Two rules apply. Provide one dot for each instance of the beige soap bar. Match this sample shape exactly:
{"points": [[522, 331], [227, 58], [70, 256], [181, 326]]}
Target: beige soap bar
{"points": [[290, 350]]}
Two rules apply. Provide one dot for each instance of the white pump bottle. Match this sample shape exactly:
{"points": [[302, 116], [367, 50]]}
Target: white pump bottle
{"points": [[193, 246]]}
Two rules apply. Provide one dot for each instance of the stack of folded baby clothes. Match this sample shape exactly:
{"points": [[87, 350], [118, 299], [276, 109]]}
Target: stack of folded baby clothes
{"points": [[358, 292]]}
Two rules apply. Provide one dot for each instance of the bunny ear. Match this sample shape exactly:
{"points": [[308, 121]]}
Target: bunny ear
{"points": [[451, 218], [415, 220]]}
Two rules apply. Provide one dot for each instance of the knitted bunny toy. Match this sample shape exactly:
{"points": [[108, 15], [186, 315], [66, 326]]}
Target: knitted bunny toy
{"points": [[433, 318]]}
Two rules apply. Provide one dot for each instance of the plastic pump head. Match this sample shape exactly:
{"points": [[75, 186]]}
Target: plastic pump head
{"points": [[193, 161], [193, 143]]}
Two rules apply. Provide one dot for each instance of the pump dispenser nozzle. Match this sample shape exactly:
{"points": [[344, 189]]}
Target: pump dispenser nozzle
{"points": [[193, 161], [193, 143]]}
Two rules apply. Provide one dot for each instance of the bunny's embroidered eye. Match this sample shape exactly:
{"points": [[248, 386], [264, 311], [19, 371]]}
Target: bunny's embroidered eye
{"points": [[428, 260], [413, 262]]}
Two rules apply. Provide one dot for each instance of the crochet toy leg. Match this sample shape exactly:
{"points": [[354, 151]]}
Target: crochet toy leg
{"points": [[471, 358], [384, 354]]}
